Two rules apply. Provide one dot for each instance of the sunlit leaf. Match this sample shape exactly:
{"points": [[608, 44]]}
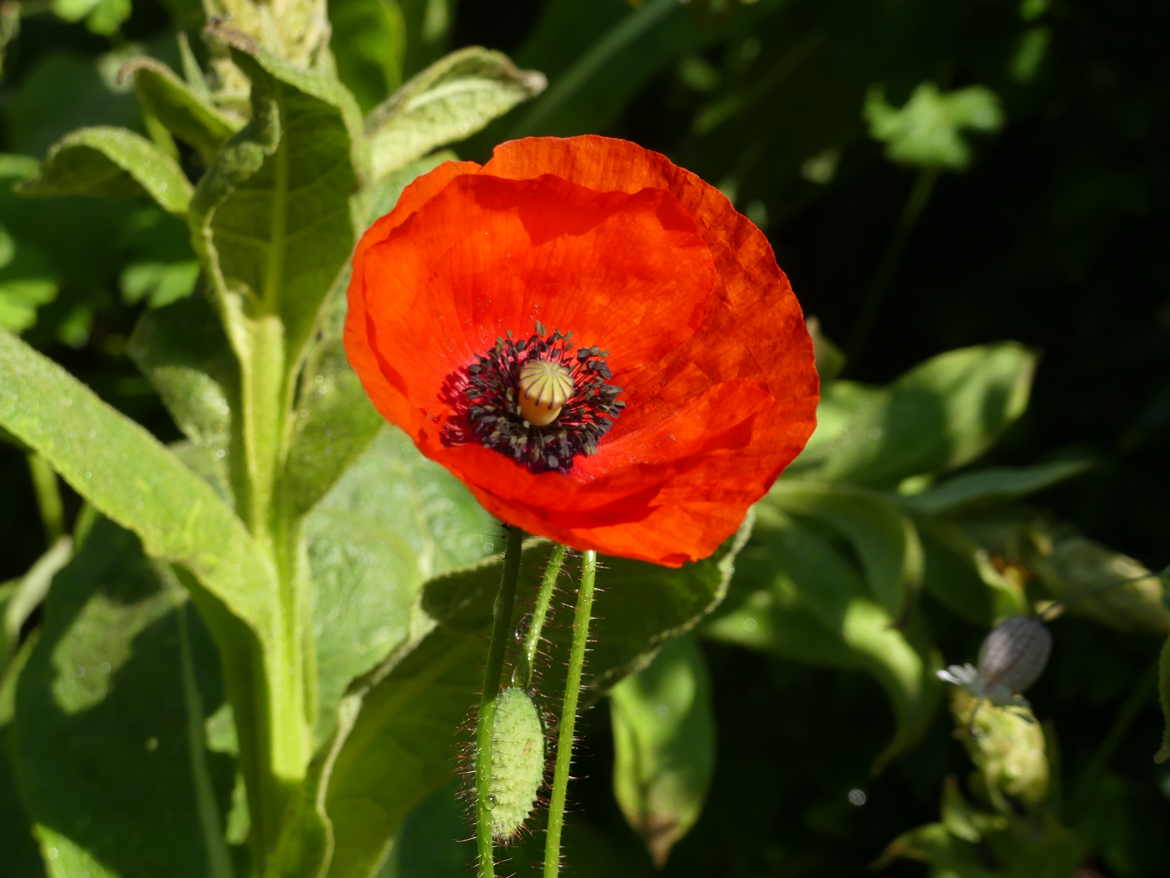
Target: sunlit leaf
{"points": [[939, 415], [451, 99], [132, 478], [272, 219], [178, 107], [112, 163], [929, 129]]}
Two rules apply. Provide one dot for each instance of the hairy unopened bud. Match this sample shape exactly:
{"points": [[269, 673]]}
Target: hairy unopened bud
{"points": [[517, 769]]}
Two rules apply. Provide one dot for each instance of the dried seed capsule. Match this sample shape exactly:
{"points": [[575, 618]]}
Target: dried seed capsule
{"points": [[1013, 656], [517, 769]]}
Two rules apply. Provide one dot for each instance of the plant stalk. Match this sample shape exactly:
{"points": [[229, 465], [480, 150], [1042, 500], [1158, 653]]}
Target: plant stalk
{"points": [[493, 671], [556, 809], [540, 612]]}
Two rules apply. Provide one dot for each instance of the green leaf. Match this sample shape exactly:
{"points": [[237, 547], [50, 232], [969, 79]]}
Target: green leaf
{"points": [[664, 745], [939, 415], [334, 420], [272, 219], [101, 16], [454, 97], [369, 46], [960, 575], [114, 163], [928, 130], [796, 595], [1095, 581], [393, 521], [993, 485], [26, 596], [26, 282], [178, 107], [182, 350], [840, 402], [395, 743], [108, 726], [130, 477], [883, 538]]}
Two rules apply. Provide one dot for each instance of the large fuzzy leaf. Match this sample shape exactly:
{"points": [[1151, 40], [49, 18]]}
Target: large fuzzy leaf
{"points": [[108, 729], [113, 163]]}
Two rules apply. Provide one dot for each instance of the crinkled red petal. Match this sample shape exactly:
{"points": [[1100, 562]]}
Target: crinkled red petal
{"points": [[616, 244]]}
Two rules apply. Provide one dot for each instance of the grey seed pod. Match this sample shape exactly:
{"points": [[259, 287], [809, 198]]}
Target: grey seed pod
{"points": [[1013, 656]]}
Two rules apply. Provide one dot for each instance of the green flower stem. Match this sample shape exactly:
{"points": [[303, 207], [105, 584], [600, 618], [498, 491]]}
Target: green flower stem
{"points": [[281, 692], [540, 612], [493, 670], [48, 495], [556, 808]]}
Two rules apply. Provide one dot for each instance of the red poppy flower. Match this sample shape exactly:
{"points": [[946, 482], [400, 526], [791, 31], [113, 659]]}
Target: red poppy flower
{"points": [[591, 338]]}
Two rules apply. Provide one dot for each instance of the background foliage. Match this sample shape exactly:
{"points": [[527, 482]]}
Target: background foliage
{"points": [[965, 197]]}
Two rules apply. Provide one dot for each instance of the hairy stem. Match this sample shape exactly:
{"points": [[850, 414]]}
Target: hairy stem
{"points": [[556, 808], [493, 670], [540, 613]]}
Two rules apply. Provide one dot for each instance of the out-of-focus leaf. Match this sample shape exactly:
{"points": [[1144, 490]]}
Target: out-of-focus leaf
{"points": [[1093, 580], [396, 738], [369, 46], [26, 282], [934, 844], [113, 163], [929, 130], [939, 415], [9, 28], [796, 595], [182, 350], [36, 115], [272, 218], [454, 97], [101, 16], [664, 745], [959, 574], [26, 596], [993, 485], [108, 726], [178, 107], [428, 31], [883, 538], [840, 402], [160, 267]]}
